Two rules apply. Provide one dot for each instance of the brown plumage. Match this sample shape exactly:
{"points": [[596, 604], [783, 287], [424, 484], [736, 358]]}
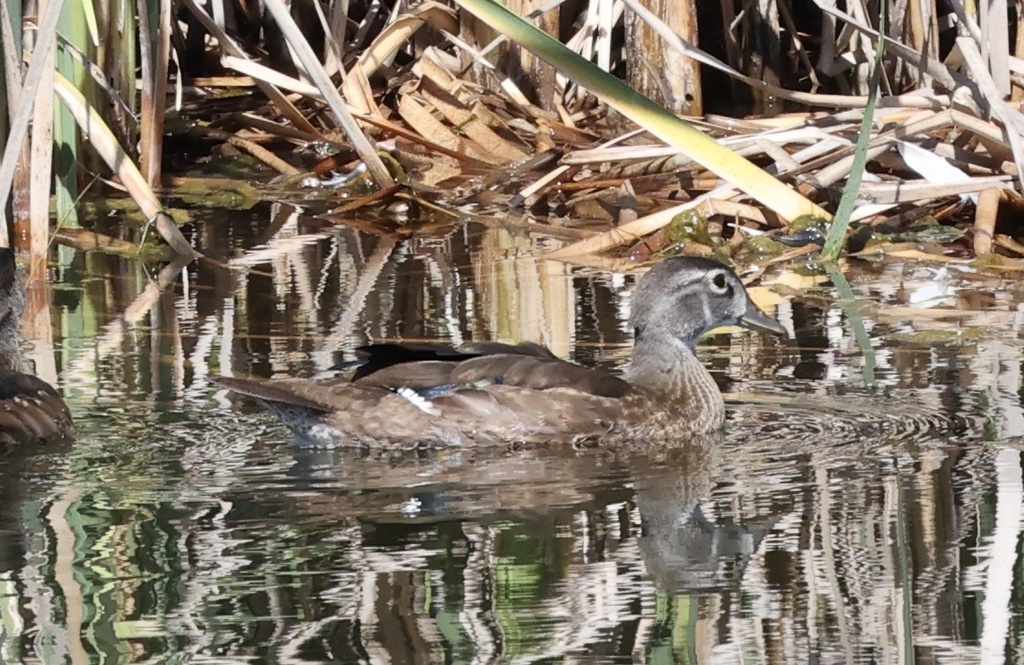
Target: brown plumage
{"points": [[492, 393], [31, 411]]}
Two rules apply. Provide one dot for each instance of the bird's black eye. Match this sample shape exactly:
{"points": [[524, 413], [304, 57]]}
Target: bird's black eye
{"points": [[719, 281]]}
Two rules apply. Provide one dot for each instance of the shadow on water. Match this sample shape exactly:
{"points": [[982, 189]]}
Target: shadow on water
{"points": [[828, 523]]}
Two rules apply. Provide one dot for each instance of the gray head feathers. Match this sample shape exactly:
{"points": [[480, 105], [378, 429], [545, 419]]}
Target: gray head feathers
{"points": [[685, 297]]}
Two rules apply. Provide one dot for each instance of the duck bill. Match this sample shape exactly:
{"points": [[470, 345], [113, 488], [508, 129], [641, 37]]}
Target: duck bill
{"points": [[755, 319]]}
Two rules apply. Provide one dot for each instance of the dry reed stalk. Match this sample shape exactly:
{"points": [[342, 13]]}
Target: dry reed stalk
{"points": [[105, 144], [40, 166], [335, 102], [985, 221], [23, 104], [229, 47], [153, 91]]}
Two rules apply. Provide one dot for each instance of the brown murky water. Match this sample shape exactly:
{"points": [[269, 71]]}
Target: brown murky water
{"points": [[861, 507]]}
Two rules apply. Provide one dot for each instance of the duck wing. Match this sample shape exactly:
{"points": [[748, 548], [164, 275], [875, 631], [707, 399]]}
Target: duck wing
{"points": [[482, 364], [421, 366], [31, 410], [373, 358], [513, 393], [376, 357], [536, 373]]}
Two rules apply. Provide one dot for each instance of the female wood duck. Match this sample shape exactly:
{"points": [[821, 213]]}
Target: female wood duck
{"points": [[491, 393], [30, 409]]}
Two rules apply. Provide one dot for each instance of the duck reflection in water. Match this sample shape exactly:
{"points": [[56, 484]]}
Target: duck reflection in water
{"points": [[687, 540]]}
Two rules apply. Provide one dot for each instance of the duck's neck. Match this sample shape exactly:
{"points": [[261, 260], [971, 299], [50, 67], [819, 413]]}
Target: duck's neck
{"points": [[668, 367], [12, 302], [10, 348]]}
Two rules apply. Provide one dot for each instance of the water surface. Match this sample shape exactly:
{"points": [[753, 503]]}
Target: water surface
{"points": [[860, 507]]}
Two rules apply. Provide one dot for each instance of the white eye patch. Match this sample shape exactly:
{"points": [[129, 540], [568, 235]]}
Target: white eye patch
{"points": [[718, 281]]}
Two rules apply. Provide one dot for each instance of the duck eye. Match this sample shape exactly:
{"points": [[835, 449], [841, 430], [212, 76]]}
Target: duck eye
{"points": [[719, 281]]}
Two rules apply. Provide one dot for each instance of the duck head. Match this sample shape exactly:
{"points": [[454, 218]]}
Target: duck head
{"points": [[684, 297]]}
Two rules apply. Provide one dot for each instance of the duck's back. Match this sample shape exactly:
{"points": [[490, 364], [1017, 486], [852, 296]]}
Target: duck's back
{"points": [[485, 394]]}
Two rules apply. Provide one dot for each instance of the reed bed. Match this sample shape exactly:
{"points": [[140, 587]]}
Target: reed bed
{"points": [[424, 109]]}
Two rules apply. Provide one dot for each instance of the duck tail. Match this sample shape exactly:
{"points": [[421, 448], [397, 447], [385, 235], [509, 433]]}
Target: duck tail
{"points": [[269, 393]]}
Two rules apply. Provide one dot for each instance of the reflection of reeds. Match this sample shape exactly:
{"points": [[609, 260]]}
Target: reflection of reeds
{"points": [[61, 520], [81, 371], [522, 298], [860, 543], [37, 326], [826, 579]]}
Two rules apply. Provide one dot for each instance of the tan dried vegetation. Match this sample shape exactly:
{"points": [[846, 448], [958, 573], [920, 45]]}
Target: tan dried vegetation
{"points": [[434, 117]]}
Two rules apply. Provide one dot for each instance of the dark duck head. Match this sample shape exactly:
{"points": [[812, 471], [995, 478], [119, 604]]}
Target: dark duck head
{"points": [[30, 409], [497, 393]]}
